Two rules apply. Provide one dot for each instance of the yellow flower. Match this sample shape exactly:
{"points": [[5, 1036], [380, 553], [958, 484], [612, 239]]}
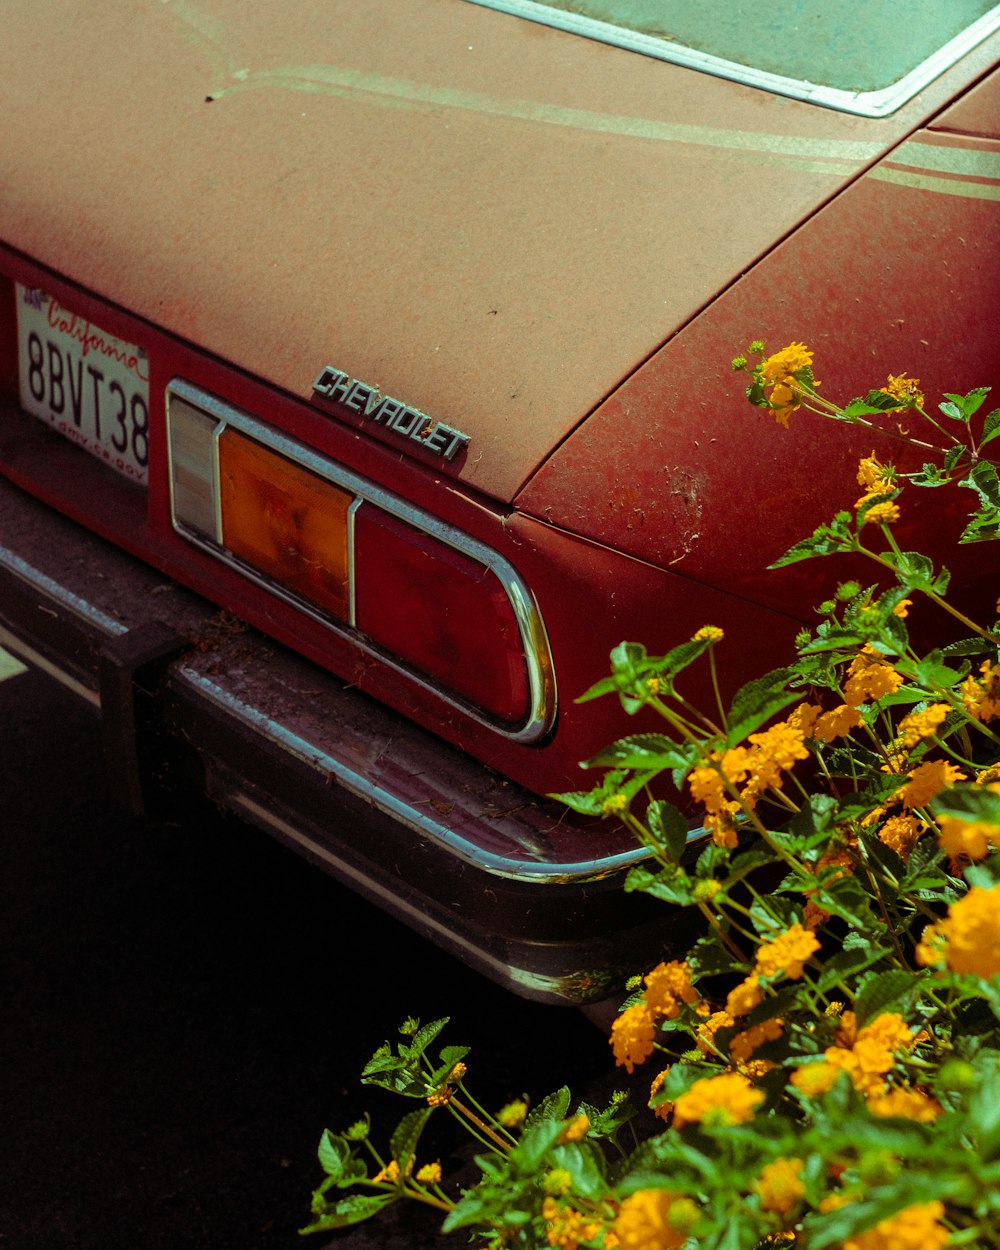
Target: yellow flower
{"points": [[815, 1079], [888, 1030], [900, 834], [899, 386], [744, 1044], [726, 1099], [667, 986], [556, 1182], [440, 1097], [576, 1129], [708, 786], [429, 1174], [709, 633], [926, 781], [919, 725], [875, 476], [632, 1036], [774, 750], [744, 997], [982, 697], [786, 372], [867, 1054], [837, 724], [566, 1226], [870, 677], [884, 513], [787, 953], [914, 1228], [967, 941], [780, 1186], [389, 1174], [708, 781], [643, 1221], [967, 839], [706, 1031], [614, 804], [663, 1109], [513, 1114], [910, 1104]]}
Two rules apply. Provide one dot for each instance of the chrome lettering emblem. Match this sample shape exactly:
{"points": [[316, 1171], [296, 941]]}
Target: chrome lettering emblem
{"points": [[433, 436]]}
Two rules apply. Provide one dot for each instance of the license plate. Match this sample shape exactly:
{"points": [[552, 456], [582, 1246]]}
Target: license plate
{"points": [[89, 385]]}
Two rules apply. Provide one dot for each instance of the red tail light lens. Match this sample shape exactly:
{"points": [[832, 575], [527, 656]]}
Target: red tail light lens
{"points": [[440, 611]]}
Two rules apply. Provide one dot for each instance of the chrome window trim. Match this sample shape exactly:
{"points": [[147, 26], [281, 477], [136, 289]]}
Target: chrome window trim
{"points": [[542, 698], [880, 103]]}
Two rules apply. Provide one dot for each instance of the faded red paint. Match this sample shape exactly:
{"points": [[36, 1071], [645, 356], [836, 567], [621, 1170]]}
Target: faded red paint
{"points": [[486, 241]]}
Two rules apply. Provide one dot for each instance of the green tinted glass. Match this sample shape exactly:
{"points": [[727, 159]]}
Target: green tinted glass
{"points": [[851, 45]]}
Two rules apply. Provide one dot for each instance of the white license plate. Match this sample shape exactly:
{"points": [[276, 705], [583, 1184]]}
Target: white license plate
{"points": [[89, 385]]}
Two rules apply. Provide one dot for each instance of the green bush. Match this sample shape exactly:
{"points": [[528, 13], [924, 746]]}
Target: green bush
{"points": [[823, 1067]]}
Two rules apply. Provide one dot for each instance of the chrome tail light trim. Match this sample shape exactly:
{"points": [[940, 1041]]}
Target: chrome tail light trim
{"points": [[195, 421]]}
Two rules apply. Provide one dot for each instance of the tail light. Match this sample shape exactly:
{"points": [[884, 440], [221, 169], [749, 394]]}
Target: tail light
{"points": [[425, 597]]}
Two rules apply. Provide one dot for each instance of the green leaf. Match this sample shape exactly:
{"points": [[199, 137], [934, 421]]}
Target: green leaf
{"points": [[350, 1210], [872, 404], [983, 480], [968, 802], [836, 638], [403, 1143], [931, 672], [917, 571], [337, 1161], [847, 898], [553, 1106], [849, 962], [425, 1035], [584, 1162], [669, 885], [953, 455], [967, 405], [991, 427], [930, 475], [885, 990], [649, 751], [587, 802], [476, 1206], [984, 526], [536, 1141], [757, 702], [966, 646], [984, 1112], [680, 657], [669, 826], [825, 541]]}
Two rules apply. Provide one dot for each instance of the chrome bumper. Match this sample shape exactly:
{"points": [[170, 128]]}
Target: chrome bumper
{"points": [[509, 883]]}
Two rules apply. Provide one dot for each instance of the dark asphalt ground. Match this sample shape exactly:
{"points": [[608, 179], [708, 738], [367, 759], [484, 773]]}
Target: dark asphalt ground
{"points": [[186, 1006]]}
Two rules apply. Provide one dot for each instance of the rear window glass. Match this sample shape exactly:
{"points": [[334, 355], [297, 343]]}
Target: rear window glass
{"points": [[867, 56]]}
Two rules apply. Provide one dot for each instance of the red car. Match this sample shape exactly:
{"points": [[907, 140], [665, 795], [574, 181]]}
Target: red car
{"points": [[400, 330]]}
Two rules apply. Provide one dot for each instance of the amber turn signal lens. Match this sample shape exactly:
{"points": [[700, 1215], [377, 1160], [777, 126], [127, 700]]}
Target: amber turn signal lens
{"points": [[286, 522]]}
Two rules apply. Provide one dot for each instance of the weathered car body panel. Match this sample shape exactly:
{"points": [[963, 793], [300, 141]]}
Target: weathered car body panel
{"points": [[898, 272], [492, 222]]}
